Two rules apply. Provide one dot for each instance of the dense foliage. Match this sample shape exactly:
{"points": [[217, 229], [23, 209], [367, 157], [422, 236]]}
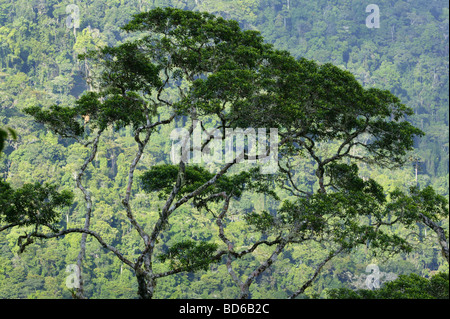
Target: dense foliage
{"points": [[409, 286], [401, 71]]}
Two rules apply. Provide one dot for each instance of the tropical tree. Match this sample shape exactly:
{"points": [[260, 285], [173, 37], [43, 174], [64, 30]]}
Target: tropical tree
{"points": [[180, 47], [199, 68]]}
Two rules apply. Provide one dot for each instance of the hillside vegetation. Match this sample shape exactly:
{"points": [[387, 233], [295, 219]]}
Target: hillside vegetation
{"points": [[39, 67]]}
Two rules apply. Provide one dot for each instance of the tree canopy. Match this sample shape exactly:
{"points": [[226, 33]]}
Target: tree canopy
{"points": [[160, 222]]}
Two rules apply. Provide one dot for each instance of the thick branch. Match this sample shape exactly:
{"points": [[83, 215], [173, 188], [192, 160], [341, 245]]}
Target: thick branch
{"points": [[2, 228], [316, 273], [82, 231], [246, 286], [126, 200], [439, 231], [87, 197]]}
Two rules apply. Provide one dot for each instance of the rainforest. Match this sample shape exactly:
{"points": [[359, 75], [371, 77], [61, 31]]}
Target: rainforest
{"points": [[227, 149]]}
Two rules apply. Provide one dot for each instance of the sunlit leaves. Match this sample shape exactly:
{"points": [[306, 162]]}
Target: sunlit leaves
{"points": [[196, 41]]}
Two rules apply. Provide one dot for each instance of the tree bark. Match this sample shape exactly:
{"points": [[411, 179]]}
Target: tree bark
{"points": [[440, 233], [79, 294], [245, 288], [316, 273]]}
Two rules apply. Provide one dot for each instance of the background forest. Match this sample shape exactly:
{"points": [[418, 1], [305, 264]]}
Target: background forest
{"points": [[408, 55]]}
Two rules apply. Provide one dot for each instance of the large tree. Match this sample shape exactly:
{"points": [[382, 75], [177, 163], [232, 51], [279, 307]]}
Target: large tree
{"points": [[176, 49], [204, 69]]}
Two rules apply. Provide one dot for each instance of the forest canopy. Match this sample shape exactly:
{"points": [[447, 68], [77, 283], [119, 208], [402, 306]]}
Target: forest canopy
{"points": [[87, 177]]}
